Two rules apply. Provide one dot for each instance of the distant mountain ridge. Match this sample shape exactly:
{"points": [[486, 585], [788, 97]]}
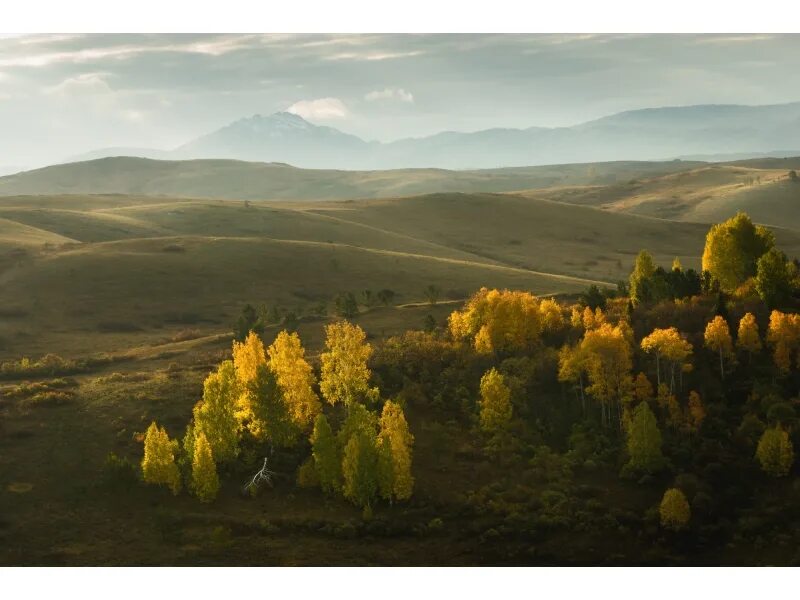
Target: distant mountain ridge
{"points": [[644, 134]]}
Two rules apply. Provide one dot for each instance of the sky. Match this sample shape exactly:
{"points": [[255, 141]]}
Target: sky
{"points": [[62, 95]]}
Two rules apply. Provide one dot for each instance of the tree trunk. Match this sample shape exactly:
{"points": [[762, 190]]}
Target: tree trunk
{"points": [[658, 369]]}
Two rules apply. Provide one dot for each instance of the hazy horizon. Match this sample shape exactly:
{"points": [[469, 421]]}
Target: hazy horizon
{"points": [[63, 95]]}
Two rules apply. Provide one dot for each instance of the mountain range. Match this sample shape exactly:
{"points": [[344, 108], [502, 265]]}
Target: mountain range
{"points": [[646, 134]]}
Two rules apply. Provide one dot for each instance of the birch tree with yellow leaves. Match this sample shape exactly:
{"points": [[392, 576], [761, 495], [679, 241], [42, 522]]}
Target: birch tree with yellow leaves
{"points": [[717, 338]]}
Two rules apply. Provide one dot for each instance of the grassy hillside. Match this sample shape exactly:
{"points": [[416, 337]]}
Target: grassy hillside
{"points": [[103, 273], [707, 194], [276, 181]]}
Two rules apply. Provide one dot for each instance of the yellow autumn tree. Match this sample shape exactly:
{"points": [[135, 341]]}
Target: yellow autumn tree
{"points": [[248, 357], [295, 377], [697, 412], [670, 405], [215, 416], [552, 318], [733, 248], [592, 319], [345, 375], [783, 335], [261, 409], [642, 388], [395, 441], [674, 510], [495, 403], [608, 364], [572, 369], [642, 391], [717, 338], [158, 463], [576, 318], [498, 321], [671, 351], [748, 339], [775, 452], [205, 482]]}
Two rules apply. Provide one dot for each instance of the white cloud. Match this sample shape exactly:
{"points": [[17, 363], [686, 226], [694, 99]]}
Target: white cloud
{"points": [[390, 94], [85, 84], [320, 108], [372, 55]]}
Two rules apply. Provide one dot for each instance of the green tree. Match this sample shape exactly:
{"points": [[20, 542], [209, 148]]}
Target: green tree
{"points": [[346, 305], [644, 440], [386, 296], [495, 403], [205, 482], [246, 322], [158, 463], [269, 419], [733, 248], [360, 470], [775, 452], [774, 274], [215, 415], [674, 510], [640, 284], [327, 460], [432, 293]]}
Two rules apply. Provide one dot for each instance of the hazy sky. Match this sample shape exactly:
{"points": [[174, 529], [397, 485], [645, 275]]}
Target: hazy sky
{"points": [[61, 95]]}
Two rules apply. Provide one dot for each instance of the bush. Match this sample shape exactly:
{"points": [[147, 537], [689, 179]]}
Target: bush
{"points": [[307, 476], [119, 473]]}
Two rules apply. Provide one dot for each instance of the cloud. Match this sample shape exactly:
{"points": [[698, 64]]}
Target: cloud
{"points": [[734, 39], [85, 84], [321, 108], [390, 94]]}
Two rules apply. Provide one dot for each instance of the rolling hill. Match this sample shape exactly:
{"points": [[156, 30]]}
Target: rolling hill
{"points": [[82, 274], [259, 181], [707, 194]]}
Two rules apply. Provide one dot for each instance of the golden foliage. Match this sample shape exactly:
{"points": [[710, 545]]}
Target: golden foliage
{"points": [[732, 249], [295, 378], [552, 317], [642, 388], [205, 482], [248, 357], [608, 362], [593, 319], [495, 404], [394, 449], [345, 375], [498, 321], [748, 338], [674, 510], [783, 335], [216, 414], [158, 463], [668, 345], [717, 337], [697, 412], [775, 452]]}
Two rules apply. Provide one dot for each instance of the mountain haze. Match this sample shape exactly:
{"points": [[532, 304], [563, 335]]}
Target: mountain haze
{"points": [[646, 134]]}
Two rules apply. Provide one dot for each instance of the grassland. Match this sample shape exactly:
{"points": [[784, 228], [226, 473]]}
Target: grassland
{"points": [[705, 194], [153, 284], [231, 179]]}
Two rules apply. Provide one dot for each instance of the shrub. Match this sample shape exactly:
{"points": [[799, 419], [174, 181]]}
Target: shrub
{"points": [[119, 473], [674, 510]]}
